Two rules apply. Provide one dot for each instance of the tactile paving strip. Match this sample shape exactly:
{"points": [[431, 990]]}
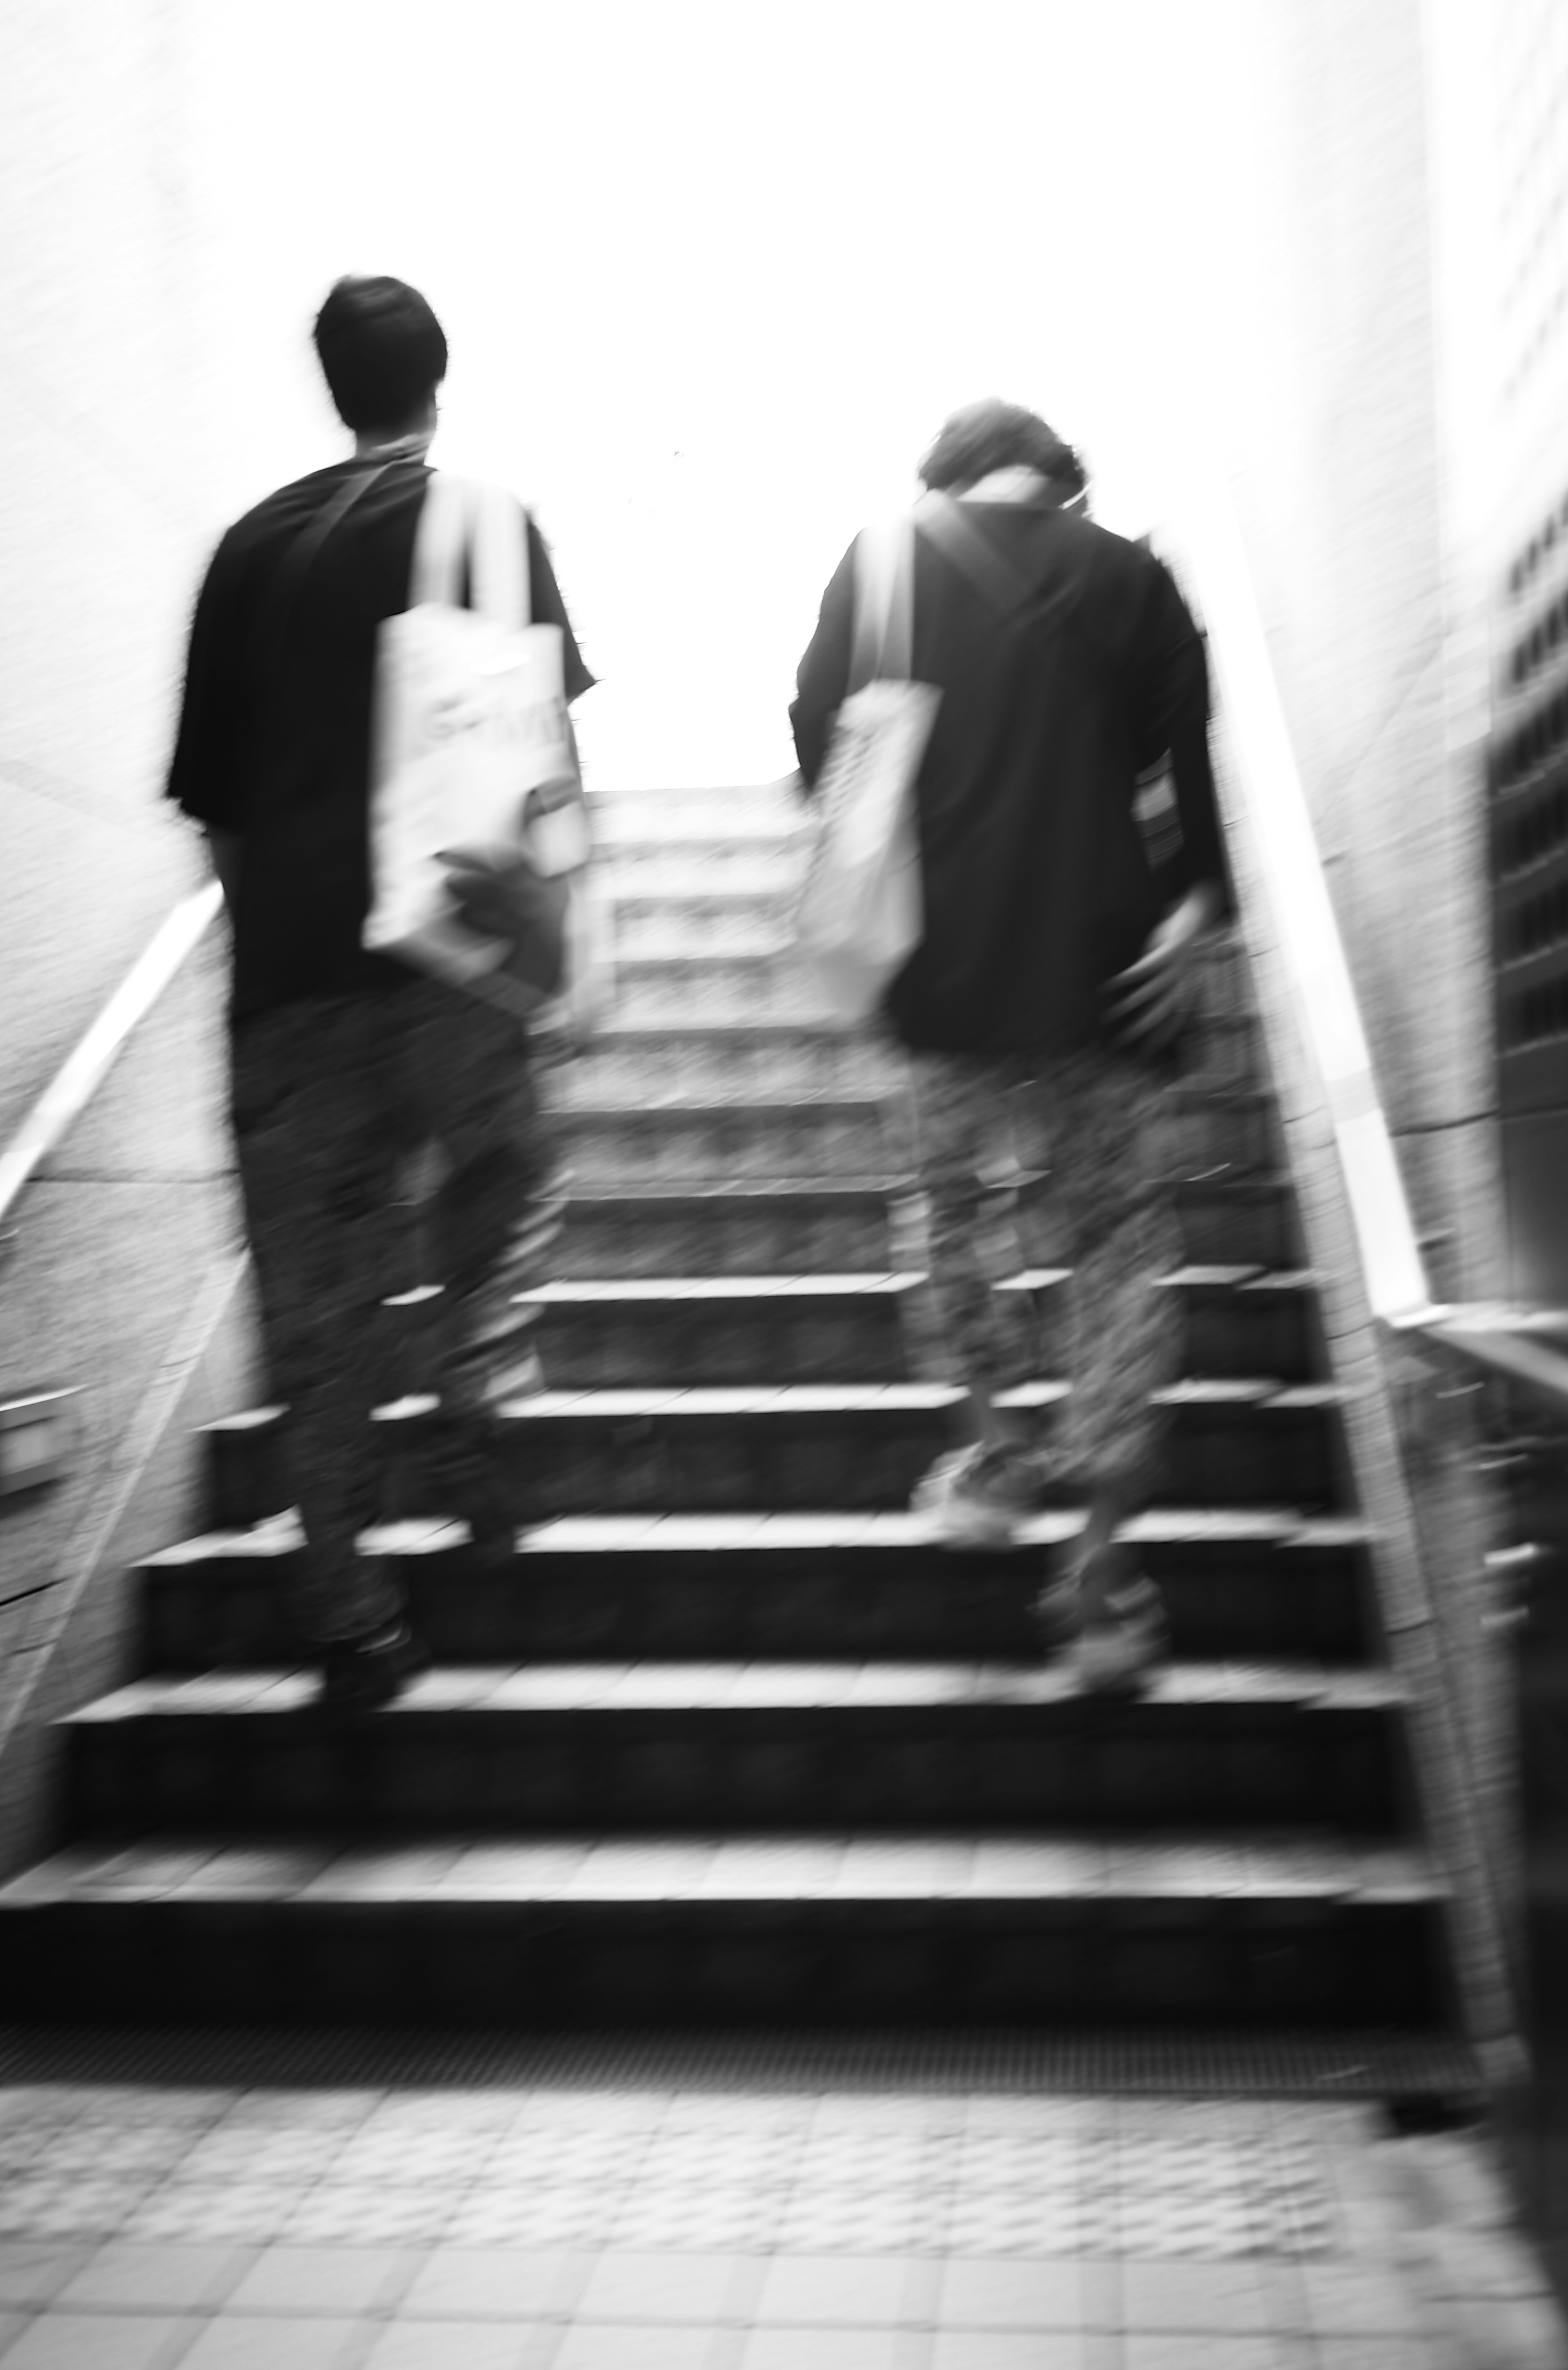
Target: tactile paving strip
{"points": [[834, 2173], [1284, 2065]]}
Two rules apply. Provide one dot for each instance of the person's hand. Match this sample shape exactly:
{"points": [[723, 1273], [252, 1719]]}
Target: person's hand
{"points": [[1148, 1004], [505, 898]]}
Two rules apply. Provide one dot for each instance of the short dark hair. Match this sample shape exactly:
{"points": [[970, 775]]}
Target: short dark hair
{"points": [[992, 434], [382, 349]]}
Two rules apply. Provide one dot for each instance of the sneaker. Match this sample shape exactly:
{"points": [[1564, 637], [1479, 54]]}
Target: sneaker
{"points": [[359, 1674], [1116, 1656], [978, 1497]]}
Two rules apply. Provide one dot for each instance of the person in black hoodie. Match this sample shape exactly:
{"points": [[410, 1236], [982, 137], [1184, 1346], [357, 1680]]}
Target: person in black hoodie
{"points": [[1054, 978]]}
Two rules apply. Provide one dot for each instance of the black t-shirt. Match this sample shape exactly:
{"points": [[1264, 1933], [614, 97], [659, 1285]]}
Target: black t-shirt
{"points": [[1037, 885], [274, 730]]}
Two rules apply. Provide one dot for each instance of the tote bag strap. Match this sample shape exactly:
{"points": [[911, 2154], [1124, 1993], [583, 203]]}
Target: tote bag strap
{"points": [[472, 531], [883, 633]]}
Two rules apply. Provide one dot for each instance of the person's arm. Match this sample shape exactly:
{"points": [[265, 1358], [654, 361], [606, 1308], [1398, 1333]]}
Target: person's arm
{"points": [[206, 770], [548, 608], [1150, 1001], [822, 676], [227, 847]]}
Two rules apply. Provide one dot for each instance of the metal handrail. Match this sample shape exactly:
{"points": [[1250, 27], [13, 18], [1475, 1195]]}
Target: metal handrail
{"points": [[1324, 1071], [1507, 1341], [81, 1073]]}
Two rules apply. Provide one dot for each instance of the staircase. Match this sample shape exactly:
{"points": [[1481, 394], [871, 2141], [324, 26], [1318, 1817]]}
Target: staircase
{"points": [[731, 1743]]}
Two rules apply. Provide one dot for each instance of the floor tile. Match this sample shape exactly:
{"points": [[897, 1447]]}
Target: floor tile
{"points": [[1201, 2350], [211, 2211], [334, 2214], [1377, 2353], [34, 2272], [495, 2284], [971, 2349], [606, 2346], [846, 2291], [625, 2285], [1355, 2298], [977, 2293], [824, 2349], [323, 2280], [451, 2345], [1213, 2296], [1504, 2332], [76, 2340], [266, 2343], [1483, 2263], [170, 2278]]}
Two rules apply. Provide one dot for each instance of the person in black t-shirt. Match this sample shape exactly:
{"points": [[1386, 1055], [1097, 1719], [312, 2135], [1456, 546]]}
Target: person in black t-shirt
{"points": [[386, 1122], [1053, 978]]}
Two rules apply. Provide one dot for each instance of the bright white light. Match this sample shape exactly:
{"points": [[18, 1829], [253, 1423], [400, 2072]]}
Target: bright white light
{"points": [[712, 273]]}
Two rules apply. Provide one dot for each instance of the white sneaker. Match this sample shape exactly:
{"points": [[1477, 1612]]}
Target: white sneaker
{"points": [[1115, 1657], [977, 1497]]}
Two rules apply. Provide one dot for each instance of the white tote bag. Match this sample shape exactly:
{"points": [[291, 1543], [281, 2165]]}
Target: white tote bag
{"points": [[860, 914], [471, 745]]}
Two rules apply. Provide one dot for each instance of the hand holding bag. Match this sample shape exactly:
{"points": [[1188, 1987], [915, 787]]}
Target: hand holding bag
{"points": [[860, 914], [476, 817]]}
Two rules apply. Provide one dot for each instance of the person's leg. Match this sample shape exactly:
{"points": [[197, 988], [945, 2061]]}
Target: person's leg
{"points": [[492, 1226], [316, 1158], [965, 1329], [1123, 1337]]}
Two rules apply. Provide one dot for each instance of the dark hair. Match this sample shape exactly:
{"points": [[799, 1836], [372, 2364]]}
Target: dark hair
{"points": [[382, 349], [991, 434]]}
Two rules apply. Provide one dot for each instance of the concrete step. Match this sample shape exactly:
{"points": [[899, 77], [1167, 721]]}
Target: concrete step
{"points": [[781, 1448], [653, 1746], [698, 830], [816, 1135], [702, 921], [1269, 1583], [671, 983], [663, 979], [723, 1329], [1061, 1926], [774, 1226], [782, 1225], [722, 813], [805, 1138], [767, 1061]]}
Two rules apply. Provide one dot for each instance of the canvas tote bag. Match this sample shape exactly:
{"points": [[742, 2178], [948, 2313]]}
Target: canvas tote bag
{"points": [[473, 762], [859, 914]]}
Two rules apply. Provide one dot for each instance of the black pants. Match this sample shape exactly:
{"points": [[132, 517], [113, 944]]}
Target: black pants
{"points": [[385, 1141]]}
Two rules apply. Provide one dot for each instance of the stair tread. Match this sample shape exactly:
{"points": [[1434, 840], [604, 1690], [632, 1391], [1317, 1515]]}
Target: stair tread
{"points": [[1264, 1392], [750, 1103], [484, 1689], [745, 1105], [1281, 1528], [1047, 1864], [809, 1284], [814, 1283]]}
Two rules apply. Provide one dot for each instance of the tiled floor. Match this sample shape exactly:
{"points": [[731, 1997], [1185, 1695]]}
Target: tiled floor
{"points": [[560, 2227]]}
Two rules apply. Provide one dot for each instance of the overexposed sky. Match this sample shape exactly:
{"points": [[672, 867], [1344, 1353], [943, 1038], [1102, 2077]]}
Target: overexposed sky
{"points": [[713, 274]]}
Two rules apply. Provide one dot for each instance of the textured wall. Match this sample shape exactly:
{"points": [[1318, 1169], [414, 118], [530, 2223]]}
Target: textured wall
{"points": [[106, 515], [103, 516], [1337, 430]]}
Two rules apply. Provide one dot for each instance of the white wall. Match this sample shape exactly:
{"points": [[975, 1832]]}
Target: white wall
{"points": [[104, 511]]}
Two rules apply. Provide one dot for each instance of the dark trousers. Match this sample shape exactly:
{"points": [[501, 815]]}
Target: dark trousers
{"points": [[1090, 1124], [385, 1140]]}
